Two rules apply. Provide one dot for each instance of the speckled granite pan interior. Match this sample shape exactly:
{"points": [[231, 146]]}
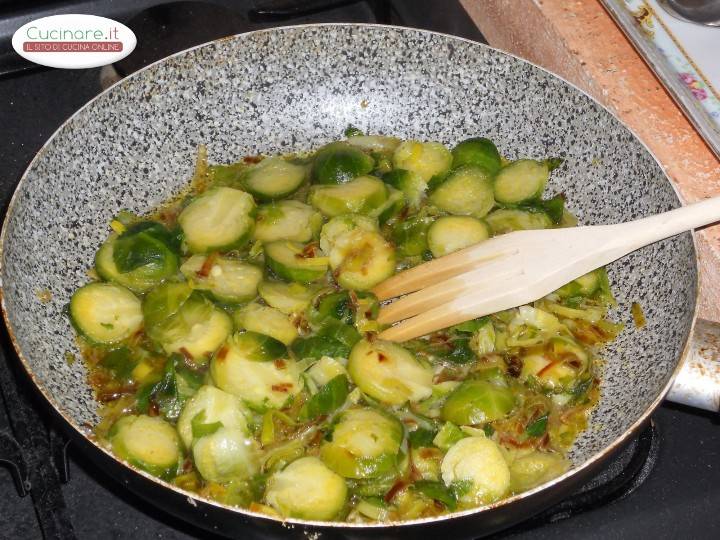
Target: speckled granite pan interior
{"points": [[296, 88]]}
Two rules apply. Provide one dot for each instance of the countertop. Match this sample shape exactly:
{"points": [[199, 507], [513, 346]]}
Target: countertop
{"points": [[579, 41]]}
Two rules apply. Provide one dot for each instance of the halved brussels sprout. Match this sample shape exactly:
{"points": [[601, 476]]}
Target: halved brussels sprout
{"points": [[410, 183], [392, 207], [338, 226], [467, 191], [338, 163], [227, 279], [139, 258], [286, 297], [210, 406], [477, 402], [585, 285], [426, 463], [286, 220], [359, 196], [452, 233], [427, 159], [220, 219], [273, 178], [505, 220], [266, 320], [410, 235], [530, 468], [374, 143], [163, 302], [226, 454], [521, 181], [477, 151], [105, 312], [364, 444], [195, 330], [476, 470], [389, 373], [149, 443], [256, 370], [307, 489], [293, 261], [361, 259]]}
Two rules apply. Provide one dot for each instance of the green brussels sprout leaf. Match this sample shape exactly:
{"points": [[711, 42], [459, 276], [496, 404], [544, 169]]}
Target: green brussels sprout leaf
{"points": [[330, 396], [200, 428], [538, 427], [436, 491], [316, 347], [421, 438]]}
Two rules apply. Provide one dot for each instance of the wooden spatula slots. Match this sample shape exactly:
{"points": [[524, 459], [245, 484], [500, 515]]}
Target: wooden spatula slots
{"points": [[517, 268]]}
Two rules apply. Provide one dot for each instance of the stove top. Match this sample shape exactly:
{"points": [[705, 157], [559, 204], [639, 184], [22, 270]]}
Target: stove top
{"points": [[665, 484]]}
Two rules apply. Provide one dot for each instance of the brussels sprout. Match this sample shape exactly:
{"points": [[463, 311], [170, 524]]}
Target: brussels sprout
{"points": [[149, 443], [410, 183], [452, 233], [105, 312], [364, 444], [196, 330], [389, 373], [374, 143], [410, 235], [532, 468], [504, 220], [585, 285], [286, 220], [220, 219], [307, 489], [226, 454], [521, 181], [286, 297], [359, 196], [477, 151], [448, 435], [338, 163], [467, 191], [361, 259], [142, 256], [228, 280], [294, 261], [477, 470], [477, 402], [426, 463], [266, 320], [273, 178], [163, 302], [212, 406], [340, 225], [243, 367], [335, 305], [393, 206], [427, 159]]}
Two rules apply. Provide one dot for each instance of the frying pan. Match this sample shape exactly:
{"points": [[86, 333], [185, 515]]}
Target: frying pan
{"points": [[295, 88]]}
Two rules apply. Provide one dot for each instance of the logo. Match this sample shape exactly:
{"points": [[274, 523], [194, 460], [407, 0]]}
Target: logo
{"points": [[74, 41]]}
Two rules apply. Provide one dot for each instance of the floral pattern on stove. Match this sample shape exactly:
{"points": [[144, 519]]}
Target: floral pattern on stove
{"points": [[667, 44]]}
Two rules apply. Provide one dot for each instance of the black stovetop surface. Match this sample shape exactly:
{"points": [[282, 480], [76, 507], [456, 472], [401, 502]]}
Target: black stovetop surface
{"points": [[679, 498]]}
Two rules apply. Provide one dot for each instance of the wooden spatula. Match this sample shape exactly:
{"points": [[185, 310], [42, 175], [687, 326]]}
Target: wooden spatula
{"points": [[516, 268]]}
